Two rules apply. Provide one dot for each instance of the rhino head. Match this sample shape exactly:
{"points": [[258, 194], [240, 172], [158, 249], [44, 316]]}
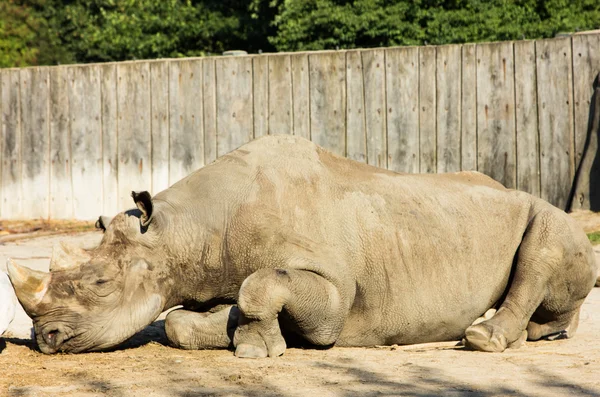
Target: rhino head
{"points": [[93, 300]]}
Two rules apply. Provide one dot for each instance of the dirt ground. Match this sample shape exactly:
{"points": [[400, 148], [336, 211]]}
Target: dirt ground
{"points": [[145, 366]]}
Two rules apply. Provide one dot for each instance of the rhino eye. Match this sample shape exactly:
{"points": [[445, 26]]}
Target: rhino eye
{"points": [[101, 282]]}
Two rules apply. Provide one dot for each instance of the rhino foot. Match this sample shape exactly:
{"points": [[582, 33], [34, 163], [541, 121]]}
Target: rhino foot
{"points": [[485, 338], [258, 339]]}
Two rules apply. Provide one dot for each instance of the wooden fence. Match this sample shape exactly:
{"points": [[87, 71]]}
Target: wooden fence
{"points": [[76, 140]]}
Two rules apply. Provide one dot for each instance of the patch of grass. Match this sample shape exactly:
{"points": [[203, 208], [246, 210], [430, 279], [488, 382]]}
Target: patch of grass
{"points": [[594, 237]]}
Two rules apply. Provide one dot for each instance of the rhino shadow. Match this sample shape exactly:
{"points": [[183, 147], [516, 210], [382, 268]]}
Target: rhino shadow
{"points": [[589, 166]]}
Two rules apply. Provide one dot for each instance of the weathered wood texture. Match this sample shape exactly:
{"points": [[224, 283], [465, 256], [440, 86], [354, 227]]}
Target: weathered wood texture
{"points": [[235, 108], [134, 130], [586, 67], [402, 79], [12, 193], [373, 62], [110, 139], [35, 140], [448, 108], [528, 154], [85, 108], [468, 102], [427, 108], [186, 135], [76, 140], [61, 189], [555, 113], [160, 79], [328, 100], [356, 138], [496, 145]]}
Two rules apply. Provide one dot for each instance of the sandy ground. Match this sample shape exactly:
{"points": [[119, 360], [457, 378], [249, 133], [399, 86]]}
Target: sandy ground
{"points": [[145, 366]]}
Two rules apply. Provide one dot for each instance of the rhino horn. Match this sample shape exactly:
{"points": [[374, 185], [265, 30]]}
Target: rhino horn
{"points": [[66, 256], [30, 285]]}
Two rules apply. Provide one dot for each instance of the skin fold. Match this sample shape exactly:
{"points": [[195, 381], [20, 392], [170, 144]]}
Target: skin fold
{"points": [[281, 238]]}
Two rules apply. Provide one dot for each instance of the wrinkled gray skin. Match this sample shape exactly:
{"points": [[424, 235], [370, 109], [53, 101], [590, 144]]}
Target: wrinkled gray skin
{"points": [[328, 249]]}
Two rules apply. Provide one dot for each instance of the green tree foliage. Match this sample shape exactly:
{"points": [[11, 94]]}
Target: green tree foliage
{"points": [[327, 24], [111, 30], [66, 31], [18, 32]]}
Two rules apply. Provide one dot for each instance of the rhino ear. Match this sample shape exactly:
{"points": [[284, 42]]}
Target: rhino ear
{"points": [[143, 201], [103, 222]]}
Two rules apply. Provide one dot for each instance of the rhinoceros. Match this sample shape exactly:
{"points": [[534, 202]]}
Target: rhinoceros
{"points": [[8, 302], [282, 239]]}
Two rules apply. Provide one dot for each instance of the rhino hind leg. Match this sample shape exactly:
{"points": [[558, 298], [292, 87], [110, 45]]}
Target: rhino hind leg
{"points": [[550, 282], [191, 330], [311, 303]]}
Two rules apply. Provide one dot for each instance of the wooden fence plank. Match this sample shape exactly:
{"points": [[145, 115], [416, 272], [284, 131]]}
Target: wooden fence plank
{"points": [[586, 67], [11, 145], [427, 110], [186, 137], [209, 96], [328, 100], [234, 103], [375, 115], [1, 141], [449, 65], [402, 79], [280, 95], [35, 149], [159, 99], [495, 112], [134, 130], [468, 124], [356, 140], [110, 132], [528, 171], [260, 92], [61, 192], [300, 95], [85, 107], [555, 112]]}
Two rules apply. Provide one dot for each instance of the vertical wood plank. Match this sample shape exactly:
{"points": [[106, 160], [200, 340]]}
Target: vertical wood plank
{"points": [[234, 103], [11, 144], [209, 96], [35, 149], [110, 132], [586, 67], [61, 195], [468, 125], [159, 98], [555, 112], [449, 60], [280, 95], [375, 115], [260, 84], [328, 100], [85, 108], [186, 138], [356, 140], [134, 130], [528, 172], [300, 95], [427, 110], [402, 79], [495, 110], [1, 142]]}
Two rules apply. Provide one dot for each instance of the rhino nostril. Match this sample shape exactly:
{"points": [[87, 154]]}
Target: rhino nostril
{"points": [[52, 337]]}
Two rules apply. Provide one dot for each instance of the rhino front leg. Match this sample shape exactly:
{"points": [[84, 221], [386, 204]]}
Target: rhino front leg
{"points": [[194, 331], [312, 303]]}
